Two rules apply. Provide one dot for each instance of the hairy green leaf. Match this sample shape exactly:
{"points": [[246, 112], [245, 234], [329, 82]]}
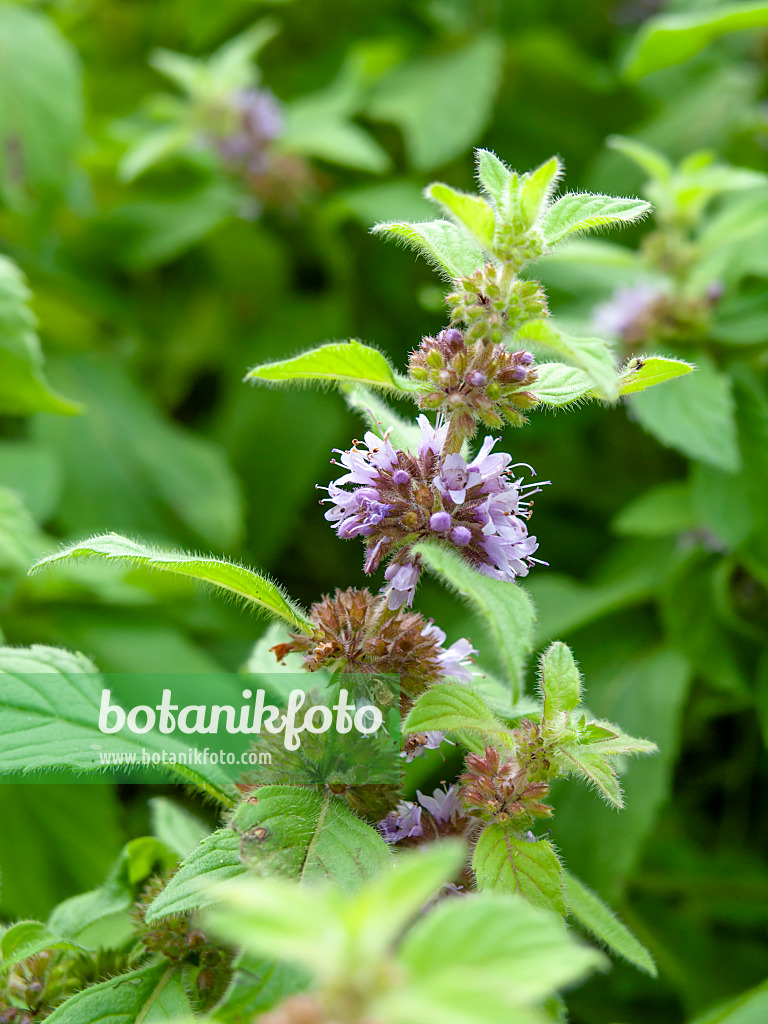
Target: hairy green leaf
{"points": [[592, 765], [493, 176], [308, 835], [504, 608], [470, 211], [504, 862], [558, 385], [536, 188], [560, 682], [452, 707], [347, 362], [153, 993], [236, 579], [441, 243], [576, 212], [592, 355], [27, 938], [215, 859], [646, 371], [590, 911]]}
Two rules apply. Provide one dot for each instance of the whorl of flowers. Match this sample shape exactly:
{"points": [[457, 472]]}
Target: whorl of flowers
{"points": [[397, 498], [499, 788], [490, 303], [482, 382], [352, 632]]}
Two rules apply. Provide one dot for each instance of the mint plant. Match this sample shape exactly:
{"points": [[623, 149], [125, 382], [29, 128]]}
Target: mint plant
{"points": [[418, 499]]}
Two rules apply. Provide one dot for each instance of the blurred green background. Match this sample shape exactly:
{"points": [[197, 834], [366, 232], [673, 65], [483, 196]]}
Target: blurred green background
{"points": [[156, 291]]}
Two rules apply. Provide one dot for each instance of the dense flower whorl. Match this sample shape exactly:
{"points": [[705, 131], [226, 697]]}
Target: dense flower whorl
{"points": [[397, 498], [258, 122], [351, 632]]}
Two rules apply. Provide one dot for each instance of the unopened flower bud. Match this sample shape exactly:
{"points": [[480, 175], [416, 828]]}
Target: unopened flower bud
{"points": [[440, 522]]}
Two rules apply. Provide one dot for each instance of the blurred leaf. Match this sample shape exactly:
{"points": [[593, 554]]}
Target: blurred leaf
{"points": [[23, 387], [674, 38], [128, 467], [175, 827], [647, 695], [441, 103], [575, 212], [244, 583], [504, 862], [694, 414], [153, 993], [258, 984], [748, 1008], [348, 361], [504, 608], [41, 103], [600, 921], [663, 511], [31, 470], [38, 735]]}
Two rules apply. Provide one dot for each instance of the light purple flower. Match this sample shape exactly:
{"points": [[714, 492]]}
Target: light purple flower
{"points": [[402, 823], [393, 499], [454, 660], [444, 804], [623, 314], [259, 122], [423, 741]]}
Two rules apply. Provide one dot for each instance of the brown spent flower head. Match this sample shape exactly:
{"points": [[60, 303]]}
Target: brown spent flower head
{"points": [[482, 381], [498, 788], [354, 631], [491, 304]]}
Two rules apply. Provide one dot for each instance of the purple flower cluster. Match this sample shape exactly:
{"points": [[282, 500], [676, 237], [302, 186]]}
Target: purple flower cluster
{"points": [[397, 498], [259, 122]]}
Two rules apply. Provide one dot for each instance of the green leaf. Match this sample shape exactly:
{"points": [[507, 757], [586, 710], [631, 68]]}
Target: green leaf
{"points": [[23, 387], [560, 682], [592, 355], [695, 415], [494, 176], [655, 164], [592, 765], [308, 835], [590, 911], [575, 212], [493, 945], [506, 863], [216, 859], [315, 131], [452, 707], [347, 362], [441, 243], [129, 465], [535, 189], [254, 589], [37, 734], [558, 385], [750, 1007], [674, 38], [41, 104], [646, 371], [470, 211], [27, 938], [149, 994], [504, 608], [441, 103], [380, 418], [176, 827], [664, 511], [258, 984]]}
